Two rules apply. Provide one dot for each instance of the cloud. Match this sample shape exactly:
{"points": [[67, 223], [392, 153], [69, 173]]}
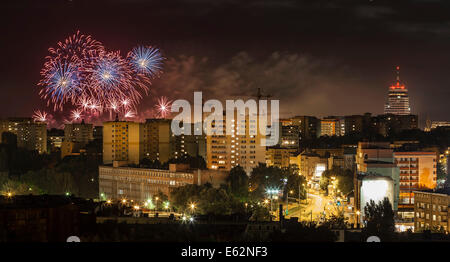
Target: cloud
{"points": [[303, 84], [372, 12]]}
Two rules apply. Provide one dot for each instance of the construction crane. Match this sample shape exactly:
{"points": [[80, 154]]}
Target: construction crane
{"points": [[259, 95]]}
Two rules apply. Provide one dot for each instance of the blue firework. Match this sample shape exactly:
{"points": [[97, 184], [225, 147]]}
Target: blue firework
{"points": [[146, 60]]}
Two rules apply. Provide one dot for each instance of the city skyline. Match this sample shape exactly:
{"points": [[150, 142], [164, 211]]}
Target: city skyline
{"points": [[299, 65]]}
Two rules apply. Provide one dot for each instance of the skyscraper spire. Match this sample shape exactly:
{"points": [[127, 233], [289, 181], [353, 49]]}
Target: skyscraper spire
{"points": [[398, 99], [398, 75]]}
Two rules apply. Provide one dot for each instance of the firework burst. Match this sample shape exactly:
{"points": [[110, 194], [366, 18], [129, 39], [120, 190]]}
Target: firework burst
{"points": [[82, 74], [146, 60], [40, 116], [76, 115], [163, 107]]}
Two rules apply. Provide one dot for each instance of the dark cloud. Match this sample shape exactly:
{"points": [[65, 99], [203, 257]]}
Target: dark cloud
{"points": [[303, 84], [318, 57]]}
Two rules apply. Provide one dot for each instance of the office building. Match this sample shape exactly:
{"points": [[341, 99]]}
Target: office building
{"points": [[139, 184], [398, 99]]}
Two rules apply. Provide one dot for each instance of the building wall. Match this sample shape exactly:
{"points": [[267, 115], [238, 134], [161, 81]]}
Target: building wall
{"points": [[431, 210], [308, 126], [328, 127], [227, 151], [123, 141], [79, 133], [279, 157], [139, 184], [30, 135], [417, 172]]}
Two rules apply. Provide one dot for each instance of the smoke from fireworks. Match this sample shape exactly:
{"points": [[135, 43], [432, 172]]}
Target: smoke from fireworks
{"points": [[81, 74]]}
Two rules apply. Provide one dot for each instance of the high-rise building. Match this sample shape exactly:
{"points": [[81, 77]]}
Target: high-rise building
{"points": [[159, 142], [307, 126], [192, 145], [31, 135], [289, 134], [417, 172], [398, 99], [123, 141], [162, 145], [229, 150], [392, 124], [79, 133], [55, 139], [329, 126]]}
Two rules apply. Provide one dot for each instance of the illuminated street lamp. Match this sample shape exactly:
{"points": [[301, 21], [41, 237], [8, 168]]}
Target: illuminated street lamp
{"points": [[166, 205], [192, 206], [357, 217]]}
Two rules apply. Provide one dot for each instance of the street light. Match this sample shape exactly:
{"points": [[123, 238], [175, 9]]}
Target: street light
{"points": [[192, 206], [166, 206], [357, 217]]}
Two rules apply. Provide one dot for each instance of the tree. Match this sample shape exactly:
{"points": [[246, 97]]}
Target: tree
{"points": [[296, 183], [263, 178], [15, 187], [238, 182], [344, 179], [379, 219]]}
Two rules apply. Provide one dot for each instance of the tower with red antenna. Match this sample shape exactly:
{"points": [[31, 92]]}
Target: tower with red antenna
{"points": [[398, 99]]}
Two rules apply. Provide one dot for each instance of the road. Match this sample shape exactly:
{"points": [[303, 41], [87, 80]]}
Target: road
{"points": [[314, 209]]}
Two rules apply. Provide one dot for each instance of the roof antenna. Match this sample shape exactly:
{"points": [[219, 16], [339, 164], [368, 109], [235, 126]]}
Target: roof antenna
{"points": [[398, 75]]}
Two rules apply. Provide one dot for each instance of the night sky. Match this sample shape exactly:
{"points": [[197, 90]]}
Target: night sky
{"points": [[317, 57]]}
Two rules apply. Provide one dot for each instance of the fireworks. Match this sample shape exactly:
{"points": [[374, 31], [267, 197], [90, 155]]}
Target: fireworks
{"points": [[40, 116], [62, 82], [163, 107], [76, 115], [146, 60], [129, 114], [81, 74]]}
